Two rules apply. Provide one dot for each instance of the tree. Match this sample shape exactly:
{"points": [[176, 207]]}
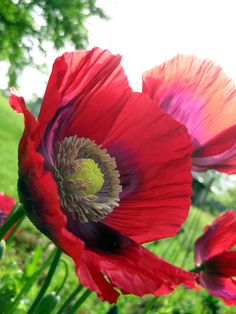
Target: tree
{"points": [[29, 24]]}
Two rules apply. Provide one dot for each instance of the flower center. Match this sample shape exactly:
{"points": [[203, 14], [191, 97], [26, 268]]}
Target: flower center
{"points": [[87, 179], [90, 175]]}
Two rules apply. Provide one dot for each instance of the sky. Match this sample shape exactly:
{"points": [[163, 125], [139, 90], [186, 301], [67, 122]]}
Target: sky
{"points": [[149, 32]]}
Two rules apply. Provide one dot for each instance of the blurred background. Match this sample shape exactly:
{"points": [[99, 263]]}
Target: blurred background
{"points": [[146, 33]]}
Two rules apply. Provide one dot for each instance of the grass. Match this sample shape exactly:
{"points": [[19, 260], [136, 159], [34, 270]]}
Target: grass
{"points": [[20, 262], [11, 127]]}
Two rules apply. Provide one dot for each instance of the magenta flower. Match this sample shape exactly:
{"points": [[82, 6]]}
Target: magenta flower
{"points": [[6, 205], [214, 259], [201, 96]]}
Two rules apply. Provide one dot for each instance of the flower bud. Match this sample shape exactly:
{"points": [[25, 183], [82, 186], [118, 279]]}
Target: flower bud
{"points": [[48, 303]]}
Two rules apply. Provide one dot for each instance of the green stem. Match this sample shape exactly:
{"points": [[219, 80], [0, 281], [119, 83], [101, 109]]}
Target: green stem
{"points": [[65, 277], [46, 282], [13, 217], [70, 299], [77, 304], [29, 284], [11, 235]]}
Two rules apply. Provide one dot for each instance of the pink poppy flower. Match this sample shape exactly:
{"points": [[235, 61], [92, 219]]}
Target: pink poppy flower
{"points": [[202, 97], [215, 258]]}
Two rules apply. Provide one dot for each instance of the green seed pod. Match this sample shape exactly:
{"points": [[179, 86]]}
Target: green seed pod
{"points": [[2, 248], [48, 303]]}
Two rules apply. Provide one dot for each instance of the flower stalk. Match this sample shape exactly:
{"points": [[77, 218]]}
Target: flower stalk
{"points": [[29, 283], [46, 282], [11, 235], [83, 297], [65, 277], [70, 299]]}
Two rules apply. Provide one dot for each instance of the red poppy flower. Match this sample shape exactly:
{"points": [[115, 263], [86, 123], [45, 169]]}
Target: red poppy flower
{"points": [[103, 171], [202, 97], [216, 263], [6, 205]]}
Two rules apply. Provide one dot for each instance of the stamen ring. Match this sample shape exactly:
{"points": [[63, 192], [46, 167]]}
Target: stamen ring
{"points": [[73, 189]]}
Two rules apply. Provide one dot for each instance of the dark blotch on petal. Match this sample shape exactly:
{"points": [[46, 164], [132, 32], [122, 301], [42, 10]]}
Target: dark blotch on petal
{"points": [[29, 205], [126, 166], [98, 236], [24, 196]]}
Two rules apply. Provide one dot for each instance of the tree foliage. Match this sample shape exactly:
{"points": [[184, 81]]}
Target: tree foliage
{"points": [[29, 24]]}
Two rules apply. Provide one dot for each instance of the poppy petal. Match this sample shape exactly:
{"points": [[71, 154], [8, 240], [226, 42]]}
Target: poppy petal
{"points": [[219, 286], [134, 270], [82, 84], [18, 104], [152, 153], [200, 95], [217, 238], [95, 281]]}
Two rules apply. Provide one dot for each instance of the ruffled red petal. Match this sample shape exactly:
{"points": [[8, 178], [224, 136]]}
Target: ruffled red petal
{"points": [[18, 104], [152, 153], [217, 238], [85, 93], [133, 269], [219, 286], [202, 97]]}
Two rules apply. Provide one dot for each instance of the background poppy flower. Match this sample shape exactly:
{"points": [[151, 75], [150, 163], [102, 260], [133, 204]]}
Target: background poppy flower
{"points": [[6, 205], [102, 171], [200, 95], [217, 265]]}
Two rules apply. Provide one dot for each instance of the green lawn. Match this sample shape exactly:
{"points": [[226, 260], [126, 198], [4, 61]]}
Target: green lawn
{"points": [[178, 250], [11, 126]]}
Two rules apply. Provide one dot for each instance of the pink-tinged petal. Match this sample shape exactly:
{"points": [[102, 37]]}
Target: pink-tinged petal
{"points": [[227, 167], [85, 93], [223, 264], [219, 286], [133, 269], [200, 95], [217, 238], [152, 153]]}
